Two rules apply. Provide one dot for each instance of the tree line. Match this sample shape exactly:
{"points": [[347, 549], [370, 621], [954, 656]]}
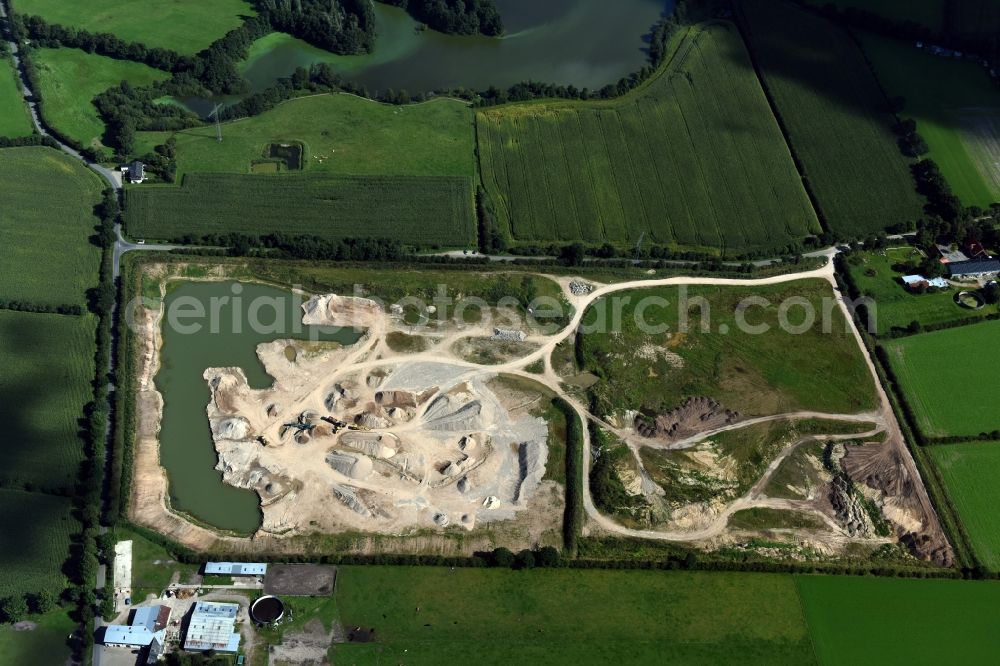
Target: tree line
{"points": [[340, 26], [455, 17]]}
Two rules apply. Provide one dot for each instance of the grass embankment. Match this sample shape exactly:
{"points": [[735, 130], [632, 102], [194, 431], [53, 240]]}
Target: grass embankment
{"points": [[944, 376], [14, 118], [957, 109], [561, 616], [674, 160], [970, 473], [755, 374], [70, 79], [47, 219], [878, 277], [428, 211], [836, 116], [342, 134], [48, 365], [185, 26]]}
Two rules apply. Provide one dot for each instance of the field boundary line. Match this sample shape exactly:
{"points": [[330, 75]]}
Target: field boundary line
{"points": [[618, 188], [746, 34]]}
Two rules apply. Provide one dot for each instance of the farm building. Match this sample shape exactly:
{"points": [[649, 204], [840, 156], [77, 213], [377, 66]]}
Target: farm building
{"points": [[918, 281], [236, 568], [147, 627], [975, 269], [950, 256], [212, 627], [134, 171]]}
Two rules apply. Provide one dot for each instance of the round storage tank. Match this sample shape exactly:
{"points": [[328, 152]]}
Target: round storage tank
{"points": [[267, 610]]}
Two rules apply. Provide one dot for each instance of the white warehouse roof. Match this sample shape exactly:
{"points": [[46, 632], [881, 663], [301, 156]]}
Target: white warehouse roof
{"points": [[236, 568]]}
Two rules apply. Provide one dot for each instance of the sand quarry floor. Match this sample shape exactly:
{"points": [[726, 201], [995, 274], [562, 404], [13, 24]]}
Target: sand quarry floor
{"points": [[439, 440]]}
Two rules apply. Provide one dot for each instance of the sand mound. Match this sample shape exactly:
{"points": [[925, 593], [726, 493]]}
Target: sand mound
{"points": [[350, 465]]}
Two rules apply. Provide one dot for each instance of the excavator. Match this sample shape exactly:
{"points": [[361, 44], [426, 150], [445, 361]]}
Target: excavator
{"points": [[298, 427], [339, 425]]}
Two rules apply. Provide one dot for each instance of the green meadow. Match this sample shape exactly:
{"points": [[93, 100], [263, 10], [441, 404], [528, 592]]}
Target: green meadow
{"points": [[14, 119], [70, 79], [341, 134], [888, 621], [970, 472], [185, 26], [570, 616], [950, 378]]}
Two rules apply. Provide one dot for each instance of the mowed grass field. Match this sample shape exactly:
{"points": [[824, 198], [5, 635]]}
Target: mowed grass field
{"points": [[970, 472], [677, 160], [565, 616], [48, 367], [753, 372], [887, 621], [425, 210], [895, 305], [14, 119], [36, 529], [957, 109], [185, 26], [837, 118], [951, 378], [45, 644], [46, 219], [70, 79], [342, 134]]}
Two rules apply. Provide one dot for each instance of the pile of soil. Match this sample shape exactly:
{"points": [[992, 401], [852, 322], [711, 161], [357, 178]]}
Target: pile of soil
{"points": [[694, 416]]}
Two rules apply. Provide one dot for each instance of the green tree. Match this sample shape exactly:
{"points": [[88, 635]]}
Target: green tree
{"points": [[14, 608], [43, 602]]}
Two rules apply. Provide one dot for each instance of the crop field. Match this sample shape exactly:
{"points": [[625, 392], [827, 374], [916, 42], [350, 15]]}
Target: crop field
{"points": [[895, 306], [950, 379], [975, 17], [837, 118], [14, 119], [560, 616], [970, 473], [48, 365], [895, 621], [674, 160], [185, 26], [46, 242], [425, 210], [342, 134], [773, 372], [70, 79], [929, 13], [36, 529], [957, 109]]}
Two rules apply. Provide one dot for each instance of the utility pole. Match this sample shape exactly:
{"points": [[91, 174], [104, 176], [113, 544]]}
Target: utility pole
{"points": [[638, 246], [218, 126]]}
